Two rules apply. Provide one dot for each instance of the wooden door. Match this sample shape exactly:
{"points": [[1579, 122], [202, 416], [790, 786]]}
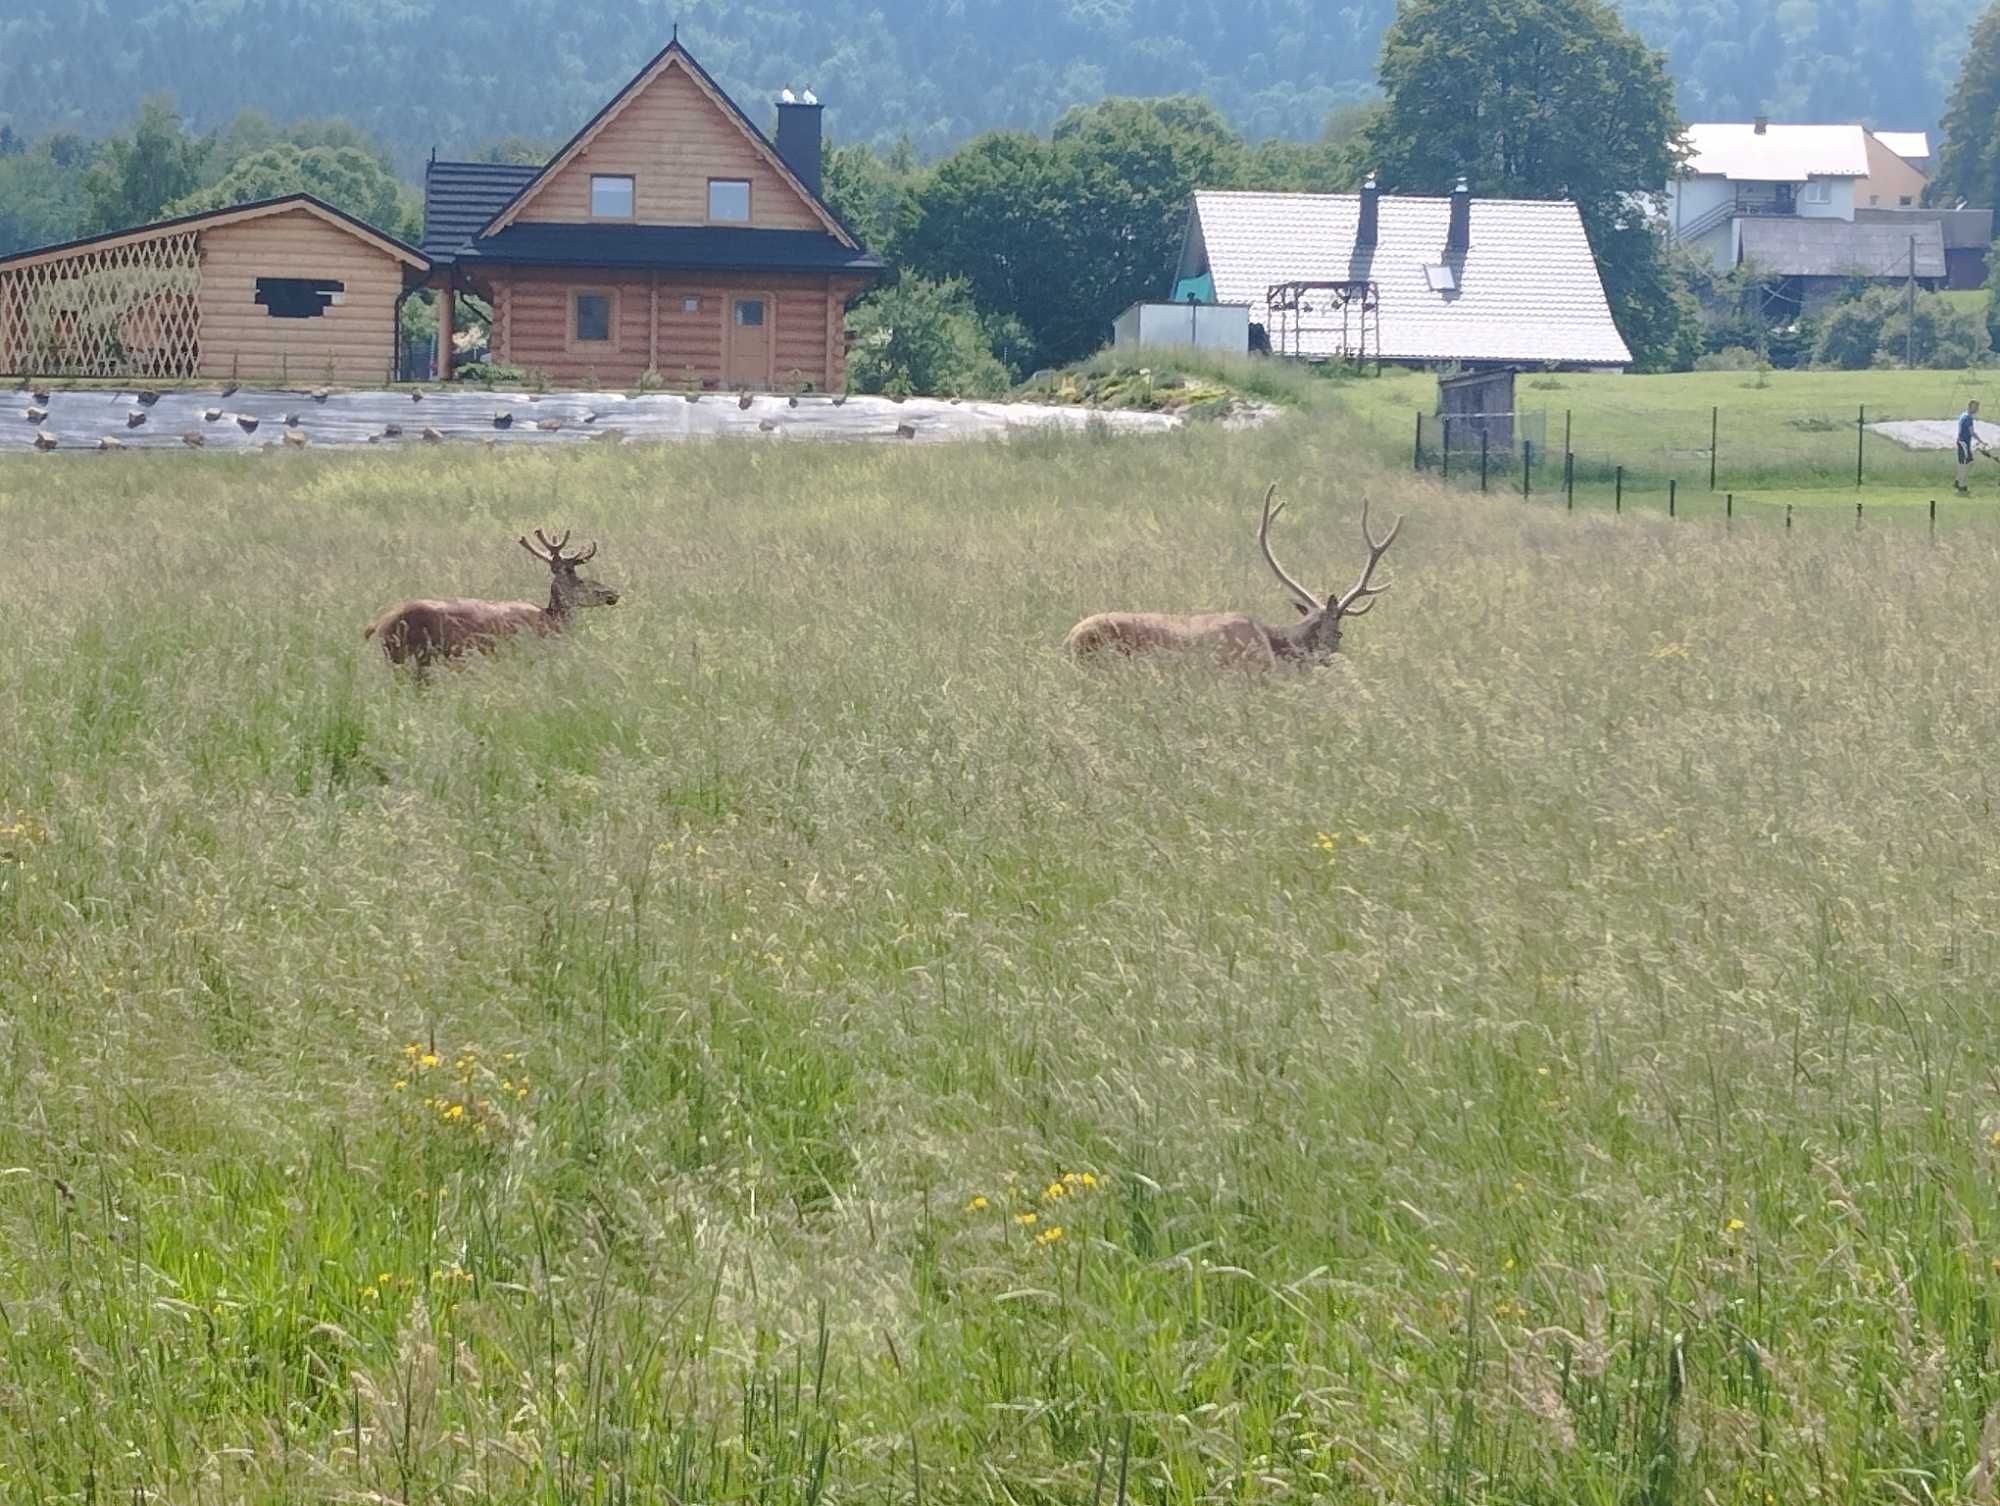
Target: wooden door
{"points": [[750, 319]]}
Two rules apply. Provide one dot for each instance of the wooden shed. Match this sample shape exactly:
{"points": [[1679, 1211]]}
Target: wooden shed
{"points": [[290, 290]]}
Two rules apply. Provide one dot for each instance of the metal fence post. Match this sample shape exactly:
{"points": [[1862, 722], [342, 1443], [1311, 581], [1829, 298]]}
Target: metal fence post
{"points": [[1714, 428], [1860, 434], [1417, 455], [1788, 517], [1485, 438], [1569, 479], [1527, 464], [1728, 507], [1934, 520], [1857, 517], [1672, 487], [1618, 490], [1567, 446], [1445, 469]]}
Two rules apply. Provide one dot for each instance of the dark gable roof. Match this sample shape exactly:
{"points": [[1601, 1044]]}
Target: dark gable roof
{"points": [[280, 201], [688, 58], [460, 197], [689, 248], [1964, 229]]}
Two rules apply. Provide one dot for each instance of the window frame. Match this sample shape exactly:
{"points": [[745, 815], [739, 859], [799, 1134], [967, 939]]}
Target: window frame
{"points": [[631, 213], [1816, 191], [575, 344], [749, 202]]}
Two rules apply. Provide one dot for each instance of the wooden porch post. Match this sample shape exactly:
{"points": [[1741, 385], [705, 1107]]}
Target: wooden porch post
{"points": [[443, 362], [653, 321]]}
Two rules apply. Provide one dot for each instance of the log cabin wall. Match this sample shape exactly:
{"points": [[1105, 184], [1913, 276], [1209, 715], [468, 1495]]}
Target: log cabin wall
{"points": [[680, 325], [671, 140]]}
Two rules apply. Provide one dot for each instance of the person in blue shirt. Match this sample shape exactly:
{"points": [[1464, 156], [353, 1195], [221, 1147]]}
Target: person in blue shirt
{"points": [[1968, 436]]}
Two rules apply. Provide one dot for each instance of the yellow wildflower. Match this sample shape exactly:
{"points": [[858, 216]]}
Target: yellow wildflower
{"points": [[428, 1060], [399, 1084], [1087, 1179], [1732, 1226], [1049, 1235], [976, 1202], [1026, 1218], [1053, 1191]]}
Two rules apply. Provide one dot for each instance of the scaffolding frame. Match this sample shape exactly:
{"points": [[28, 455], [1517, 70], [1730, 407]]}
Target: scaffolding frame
{"points": [[1357, 301]]}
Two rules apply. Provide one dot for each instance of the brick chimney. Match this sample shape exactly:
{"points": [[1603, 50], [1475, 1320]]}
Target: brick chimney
{"points": [[1761, 124], [1371, 211], [1459, 236], [798, 138]]}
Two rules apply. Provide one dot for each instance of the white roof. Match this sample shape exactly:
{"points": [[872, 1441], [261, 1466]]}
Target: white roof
{"points": [[1906, 144], [1733, 149], [1526, 290]]}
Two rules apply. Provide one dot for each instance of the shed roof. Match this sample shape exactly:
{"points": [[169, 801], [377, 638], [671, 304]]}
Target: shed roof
{"points": [[1964, 229], [460, 197], [1526, 290], [1793, 246], [1780, 153], [551, 243], [1911, 146], [230, 214]]}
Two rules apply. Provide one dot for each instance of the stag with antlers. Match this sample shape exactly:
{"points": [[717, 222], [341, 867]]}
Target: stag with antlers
{"points": [[1236, 637], [421, 632]]}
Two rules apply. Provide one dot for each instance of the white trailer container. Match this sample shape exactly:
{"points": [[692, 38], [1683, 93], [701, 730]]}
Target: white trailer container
{"points": [[1206, 326]]}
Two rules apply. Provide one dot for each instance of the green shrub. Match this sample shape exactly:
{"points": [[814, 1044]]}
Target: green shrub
{"points": [[1729, 358], [919, 336]]}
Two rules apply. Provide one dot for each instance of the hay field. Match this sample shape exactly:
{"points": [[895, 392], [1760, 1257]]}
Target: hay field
{"points": [[797, 1039]]}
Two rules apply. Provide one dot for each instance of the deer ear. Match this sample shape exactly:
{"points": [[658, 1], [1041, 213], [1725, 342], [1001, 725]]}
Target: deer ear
{"points": [[1303, 609]]}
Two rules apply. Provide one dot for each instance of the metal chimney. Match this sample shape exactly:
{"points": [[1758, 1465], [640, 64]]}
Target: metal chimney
{"points": [[799, 137], [1459, 236], [1365, 236], [1761, 124]]}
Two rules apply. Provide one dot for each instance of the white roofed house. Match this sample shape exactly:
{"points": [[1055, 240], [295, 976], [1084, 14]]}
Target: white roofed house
{"points": [[1739, 170], [1406, 280]]}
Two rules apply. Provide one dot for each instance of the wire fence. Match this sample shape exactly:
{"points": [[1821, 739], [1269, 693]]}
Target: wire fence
{"points": [[1625, 456]]}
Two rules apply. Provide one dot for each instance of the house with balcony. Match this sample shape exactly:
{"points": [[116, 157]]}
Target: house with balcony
{"points": [[1743, 170]]}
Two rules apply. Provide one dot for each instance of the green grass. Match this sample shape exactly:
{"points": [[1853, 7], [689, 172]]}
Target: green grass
{"points": [[1545, 1056], [1796, 432]]}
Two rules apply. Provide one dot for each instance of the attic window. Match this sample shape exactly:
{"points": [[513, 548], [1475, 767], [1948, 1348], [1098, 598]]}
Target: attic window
{"points": [[610, 197], [297, 297], [729, 200], [1441, 279]]}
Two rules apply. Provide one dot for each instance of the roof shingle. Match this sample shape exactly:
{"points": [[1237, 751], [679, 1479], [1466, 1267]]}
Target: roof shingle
{"points": [[1527, 289], [1793, 246], [460, 197], [1738, 151], [549, 243]]}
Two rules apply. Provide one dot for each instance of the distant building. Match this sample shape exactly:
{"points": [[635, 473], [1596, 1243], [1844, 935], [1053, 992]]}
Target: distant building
{"points": [[1967, 235], [1758, 169], [1894, 181], [1410, 281]]}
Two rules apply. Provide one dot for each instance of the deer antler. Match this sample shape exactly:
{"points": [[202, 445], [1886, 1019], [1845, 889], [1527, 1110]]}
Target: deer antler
{"points": [[551, 553], [1304, 597], [1362, 592]]}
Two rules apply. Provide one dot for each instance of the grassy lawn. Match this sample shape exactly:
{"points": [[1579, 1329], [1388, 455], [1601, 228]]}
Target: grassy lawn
{"points": [[1795, 432], [797, 1038]]}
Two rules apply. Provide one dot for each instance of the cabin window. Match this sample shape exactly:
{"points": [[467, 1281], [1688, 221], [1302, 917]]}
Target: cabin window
{"points": [[298, 297], [592, 322], [690, 304], [1904, 200], [750, 312], [610, 197], [1816, 191], [729, 200]]}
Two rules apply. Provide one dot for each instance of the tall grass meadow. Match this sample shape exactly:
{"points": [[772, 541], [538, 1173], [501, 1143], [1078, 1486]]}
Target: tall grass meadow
{"points": [[796, 1038]]}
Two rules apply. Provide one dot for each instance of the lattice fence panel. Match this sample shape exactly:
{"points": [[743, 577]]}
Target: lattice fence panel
{"points": [[132, 310]]}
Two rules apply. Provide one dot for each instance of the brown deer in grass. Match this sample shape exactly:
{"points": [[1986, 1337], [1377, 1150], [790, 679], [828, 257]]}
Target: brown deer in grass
{"points": [[1236, 638], [425, 631]]}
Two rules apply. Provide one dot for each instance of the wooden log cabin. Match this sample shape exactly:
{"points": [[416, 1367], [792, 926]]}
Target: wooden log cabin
{"points": [[669, 236]]}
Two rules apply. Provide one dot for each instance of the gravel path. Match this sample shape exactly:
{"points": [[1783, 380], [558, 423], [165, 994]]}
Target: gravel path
{"points": [[251, 419], [1934, 433]]}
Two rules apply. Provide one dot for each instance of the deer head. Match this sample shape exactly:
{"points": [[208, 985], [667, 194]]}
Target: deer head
{"points": [[567, 589], [1316, 636]]}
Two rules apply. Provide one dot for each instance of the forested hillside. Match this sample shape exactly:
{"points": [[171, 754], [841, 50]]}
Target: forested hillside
{"points": [[418, 73]]}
